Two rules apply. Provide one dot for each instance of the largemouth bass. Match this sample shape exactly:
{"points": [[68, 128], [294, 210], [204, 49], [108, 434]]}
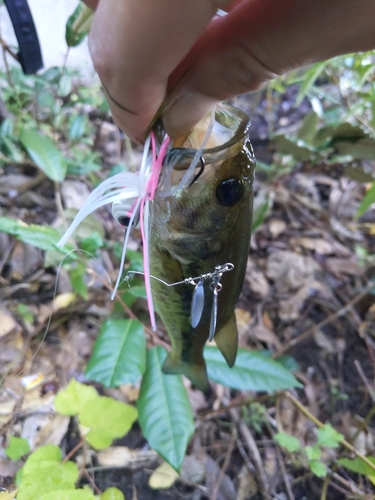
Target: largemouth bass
{"points": [[204, 225]]}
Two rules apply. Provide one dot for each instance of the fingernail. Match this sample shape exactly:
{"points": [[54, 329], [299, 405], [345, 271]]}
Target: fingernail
{"points": [[185, 112]]}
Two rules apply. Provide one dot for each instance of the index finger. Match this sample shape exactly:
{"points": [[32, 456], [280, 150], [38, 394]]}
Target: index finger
{"points": [[135, 45]]}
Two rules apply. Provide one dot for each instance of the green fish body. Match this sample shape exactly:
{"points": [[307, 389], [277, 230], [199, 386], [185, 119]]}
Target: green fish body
{"points": [[206, 224]]}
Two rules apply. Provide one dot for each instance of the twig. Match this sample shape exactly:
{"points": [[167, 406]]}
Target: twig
{"points": [[238, 403], [320, 424], [225, 464], [71, 453], [365, 380], [91, 481], [8, 49], [326, 321], [253, 451], [285, 476]]}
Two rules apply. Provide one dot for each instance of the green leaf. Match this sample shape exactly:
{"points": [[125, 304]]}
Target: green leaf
{"points": [[69, 495], [77, 127], [318, 468], [49, 452], [108, 419], [44, 153], [18, 447], [364, 149], [313, 452], [119, 354], [73, 398], [310, 77], [77, 279], [307, 131], [328, 436], [112, 494], [78, 25], [65, 85], [92, 243], [253, 371], [43, 237], [367, 201], [288, 442], [359, 466], [44, 472], [165, 413]]}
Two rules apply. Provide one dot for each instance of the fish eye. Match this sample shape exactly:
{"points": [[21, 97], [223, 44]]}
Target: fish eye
{"points": [[229, 192]]}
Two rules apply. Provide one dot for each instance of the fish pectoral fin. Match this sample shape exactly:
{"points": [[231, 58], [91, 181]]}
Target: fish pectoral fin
{"points": [[196, 373], [227, 340]]}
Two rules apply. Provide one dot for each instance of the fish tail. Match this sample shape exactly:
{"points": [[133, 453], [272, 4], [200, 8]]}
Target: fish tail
{"points": [[195, 372]]}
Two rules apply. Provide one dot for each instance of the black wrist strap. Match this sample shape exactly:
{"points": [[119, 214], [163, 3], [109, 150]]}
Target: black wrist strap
{"points": [[29, 55]]}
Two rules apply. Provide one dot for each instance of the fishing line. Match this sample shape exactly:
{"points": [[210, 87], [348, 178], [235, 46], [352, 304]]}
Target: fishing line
{"points": [[54, 297]]}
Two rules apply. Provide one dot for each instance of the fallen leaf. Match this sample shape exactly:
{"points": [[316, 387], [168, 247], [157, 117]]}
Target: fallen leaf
{"points": [[290, 309], [7, 323], [247, 485], [264, 334], [53, 430], [256, 280], [323, 341], [63, 300], [122, 456], [193, 467], [243, 319], [74, 193], [227, 490], [276, 227], [319, 245], [163, 477], [290, 270]]}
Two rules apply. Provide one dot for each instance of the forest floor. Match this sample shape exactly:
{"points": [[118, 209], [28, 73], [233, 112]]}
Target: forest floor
{"points": [[306, 294]]}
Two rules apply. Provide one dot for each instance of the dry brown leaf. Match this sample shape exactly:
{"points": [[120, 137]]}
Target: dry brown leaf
{"points": [[256, 280], [243, 319], [227, 490], [264, 334], [25, 259], [247, 485], [338, 267], [364, 440], [53, 431], [290, 309], [74, 193], [7, 323], [7, 405], [290, 270], [271, 466], [323, 341], [130, 391], [319, 245], [276, 227], [193, 467]]}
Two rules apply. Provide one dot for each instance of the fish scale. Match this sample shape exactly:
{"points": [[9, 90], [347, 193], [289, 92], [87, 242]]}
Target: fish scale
{"points": [[200, 234]]}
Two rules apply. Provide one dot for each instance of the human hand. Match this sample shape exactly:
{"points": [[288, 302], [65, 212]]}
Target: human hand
{"points": [[174, 56]]}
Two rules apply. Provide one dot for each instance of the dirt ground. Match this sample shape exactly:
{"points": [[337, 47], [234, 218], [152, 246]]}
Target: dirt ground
{"points": [[306, 294]]}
